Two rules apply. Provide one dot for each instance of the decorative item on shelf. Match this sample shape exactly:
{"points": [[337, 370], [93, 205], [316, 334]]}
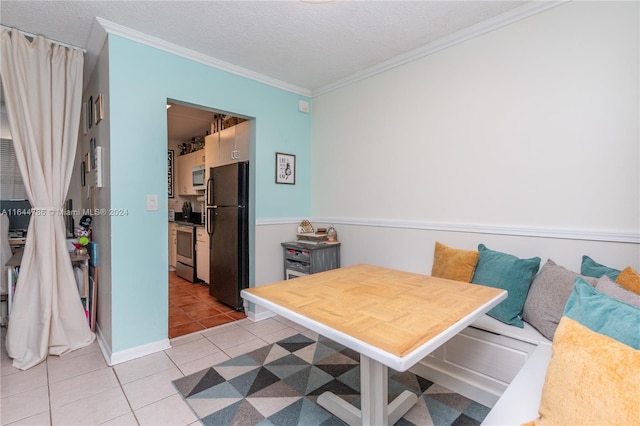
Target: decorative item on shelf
{"points": [[332, 235], [83, 233], [306, 234], [305, 227]]}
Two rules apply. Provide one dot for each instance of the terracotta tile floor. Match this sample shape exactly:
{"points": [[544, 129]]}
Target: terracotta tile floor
{"points": [[192, 309]]}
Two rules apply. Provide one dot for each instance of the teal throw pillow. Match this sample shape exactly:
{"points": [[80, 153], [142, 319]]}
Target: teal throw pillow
{"points": [[508, 272], [604, 314], [591, 268]]}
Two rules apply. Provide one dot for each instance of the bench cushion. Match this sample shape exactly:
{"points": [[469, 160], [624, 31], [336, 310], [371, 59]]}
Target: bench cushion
{"points": [[526, 334], [508, 272], [604, 314], [548, 294], [454, 264], [591, 379]]}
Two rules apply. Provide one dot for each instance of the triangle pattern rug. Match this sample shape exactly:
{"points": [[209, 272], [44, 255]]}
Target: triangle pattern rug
{"points": [[279, 384]]}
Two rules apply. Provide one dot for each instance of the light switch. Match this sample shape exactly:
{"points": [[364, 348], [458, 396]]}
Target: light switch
{"points": [[152, 202]]}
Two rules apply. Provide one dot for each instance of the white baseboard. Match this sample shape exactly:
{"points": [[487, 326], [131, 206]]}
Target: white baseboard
{"points": [[114, 358]]}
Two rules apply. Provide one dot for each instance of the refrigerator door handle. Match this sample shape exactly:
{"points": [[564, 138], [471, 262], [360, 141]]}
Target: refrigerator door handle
{"points": [[210, 193], [211, 213]]}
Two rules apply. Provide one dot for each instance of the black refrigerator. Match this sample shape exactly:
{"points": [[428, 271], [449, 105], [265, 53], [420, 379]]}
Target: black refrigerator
{"points": [[227, 218]]}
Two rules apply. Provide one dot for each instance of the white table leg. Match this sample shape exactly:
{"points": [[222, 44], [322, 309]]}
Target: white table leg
{"points": [[374, 392], [374, 388]]}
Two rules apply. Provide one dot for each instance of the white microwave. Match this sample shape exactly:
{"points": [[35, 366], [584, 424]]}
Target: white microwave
{"points": [[198, 177]]}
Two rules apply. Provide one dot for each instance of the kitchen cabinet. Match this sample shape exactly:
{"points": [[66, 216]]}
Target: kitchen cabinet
{"points": [[232, 144], [227, 146], [202, 254], [173, 245], [210, 153], [184, 167], [243, 140]]}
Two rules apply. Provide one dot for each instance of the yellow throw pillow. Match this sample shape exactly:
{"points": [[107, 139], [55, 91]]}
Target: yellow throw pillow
{"points": [[629, 279], [592, 379], [454, 264]]}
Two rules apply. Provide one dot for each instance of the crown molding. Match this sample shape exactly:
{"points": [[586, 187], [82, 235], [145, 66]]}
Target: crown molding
{"points": [[483, 27], [151, 41], [103, 27]]}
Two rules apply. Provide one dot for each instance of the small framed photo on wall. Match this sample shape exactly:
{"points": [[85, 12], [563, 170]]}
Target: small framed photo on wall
{"points": [[92, 153], [285, 168], [170, 173], [99, 109], [90, 111], [85, 119]]}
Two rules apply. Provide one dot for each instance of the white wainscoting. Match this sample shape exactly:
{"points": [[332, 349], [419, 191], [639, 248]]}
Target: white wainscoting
{"points": [[408, 245]]}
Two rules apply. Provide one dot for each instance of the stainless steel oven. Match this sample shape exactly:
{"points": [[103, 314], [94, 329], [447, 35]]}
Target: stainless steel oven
{"points": [[186, 256]]}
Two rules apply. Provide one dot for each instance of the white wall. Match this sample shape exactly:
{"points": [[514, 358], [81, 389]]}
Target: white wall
{"points": [[101, 223], [531, 129]]}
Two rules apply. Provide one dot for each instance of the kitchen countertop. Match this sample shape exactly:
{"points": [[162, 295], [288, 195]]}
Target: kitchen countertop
{"points": [[194, 219], [185, 223]]}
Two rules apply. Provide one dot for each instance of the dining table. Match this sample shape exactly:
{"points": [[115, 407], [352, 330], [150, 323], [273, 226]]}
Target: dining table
{"points": [[392, 318]]}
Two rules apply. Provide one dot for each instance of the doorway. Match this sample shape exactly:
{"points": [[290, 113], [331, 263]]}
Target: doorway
{"points": [[191, 307]]}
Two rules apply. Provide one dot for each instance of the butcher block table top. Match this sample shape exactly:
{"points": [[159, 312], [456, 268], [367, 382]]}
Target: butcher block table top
{"points": [[393, 316]]}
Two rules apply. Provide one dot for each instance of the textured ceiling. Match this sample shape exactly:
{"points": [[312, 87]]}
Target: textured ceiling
{"points": [[306, 44]]}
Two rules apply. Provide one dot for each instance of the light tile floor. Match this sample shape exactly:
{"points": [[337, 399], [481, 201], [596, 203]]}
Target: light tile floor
{"points": [[81, 389]]}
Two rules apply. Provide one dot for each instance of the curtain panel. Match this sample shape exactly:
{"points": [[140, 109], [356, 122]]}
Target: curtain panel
{"points": [[42, 83]]}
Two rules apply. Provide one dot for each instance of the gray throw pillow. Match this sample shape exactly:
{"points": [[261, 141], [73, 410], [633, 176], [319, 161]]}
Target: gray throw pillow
{"points": [[615, 290], [548, 295]]}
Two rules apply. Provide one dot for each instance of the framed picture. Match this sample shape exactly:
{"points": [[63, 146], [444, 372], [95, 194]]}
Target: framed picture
{"points": [[85, 119], [90, 111], [87, 162], [92, 153], [170, 173], [98, 111], [285, 168], [83, 172]]}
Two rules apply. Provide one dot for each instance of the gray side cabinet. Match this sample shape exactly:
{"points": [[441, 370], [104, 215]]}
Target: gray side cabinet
{"points": [[304, 259]]}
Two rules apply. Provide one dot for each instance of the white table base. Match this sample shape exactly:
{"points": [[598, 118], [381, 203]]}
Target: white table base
{"points": [[374, 392]]}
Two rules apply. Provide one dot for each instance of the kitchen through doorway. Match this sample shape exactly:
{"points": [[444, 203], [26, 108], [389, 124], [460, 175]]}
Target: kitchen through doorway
{"points": [[192, 309], [191, 132]]}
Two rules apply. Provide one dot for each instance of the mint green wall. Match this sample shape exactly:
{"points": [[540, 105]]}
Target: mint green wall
{"points": [[141, 80]]}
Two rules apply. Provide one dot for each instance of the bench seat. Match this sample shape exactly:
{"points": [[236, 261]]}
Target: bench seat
{"points": [[483, 361]]}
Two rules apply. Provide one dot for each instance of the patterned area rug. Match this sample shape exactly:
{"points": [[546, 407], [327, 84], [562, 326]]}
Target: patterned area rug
{"points": [[280, 383]]}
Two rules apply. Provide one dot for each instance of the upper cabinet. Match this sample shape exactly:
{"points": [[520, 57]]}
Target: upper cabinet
{"points": [[243, 140], [231, 145], [184, 167]]}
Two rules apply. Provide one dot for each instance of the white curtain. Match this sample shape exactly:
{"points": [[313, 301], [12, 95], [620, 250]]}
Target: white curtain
{"points": [[42, 84]]}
